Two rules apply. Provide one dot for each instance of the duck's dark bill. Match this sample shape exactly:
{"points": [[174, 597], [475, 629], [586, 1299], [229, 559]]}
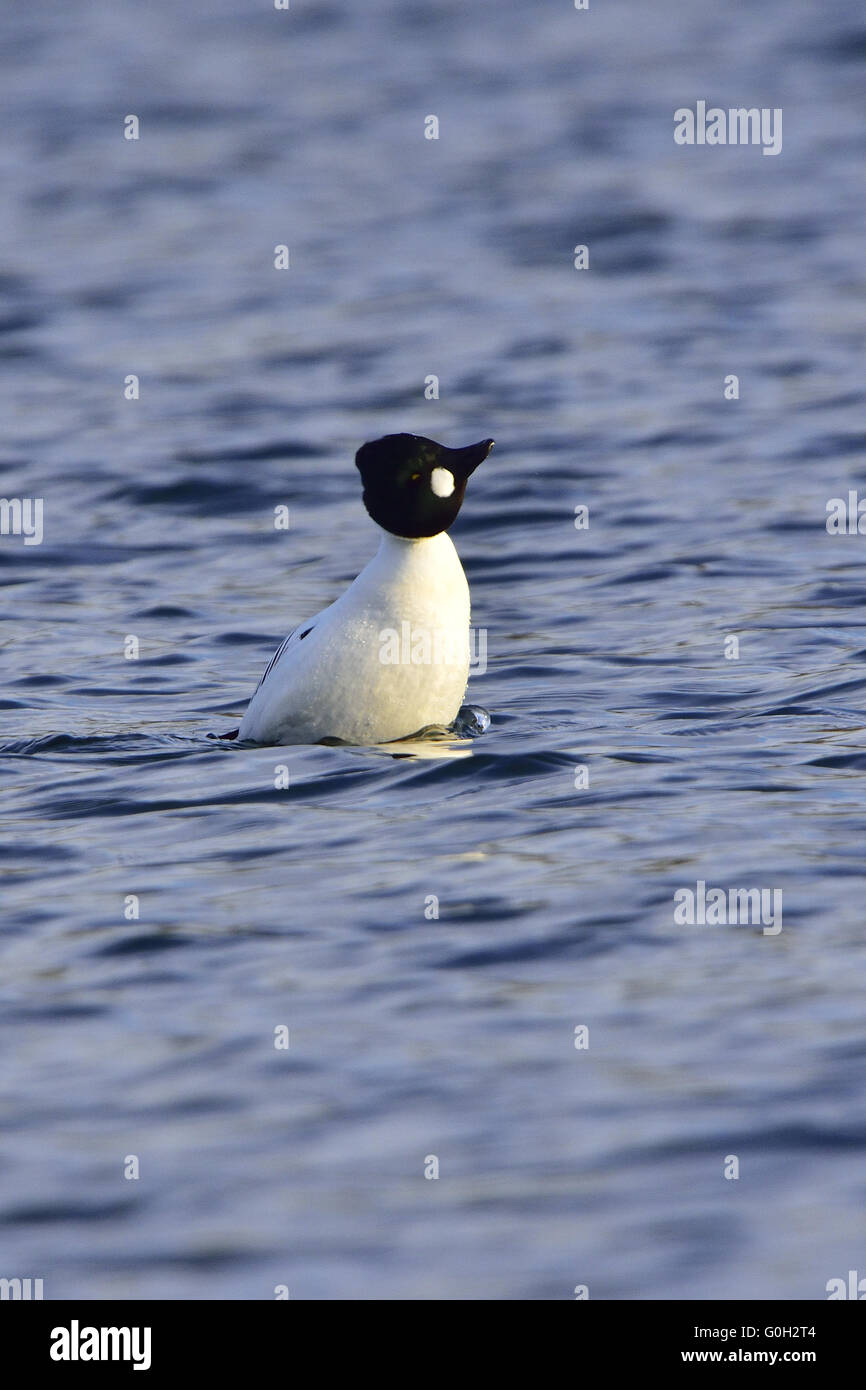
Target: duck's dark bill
{"points": [[463, 462]]}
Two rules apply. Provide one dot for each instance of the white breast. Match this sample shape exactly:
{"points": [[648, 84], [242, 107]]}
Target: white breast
{"points": [[388, 658]]}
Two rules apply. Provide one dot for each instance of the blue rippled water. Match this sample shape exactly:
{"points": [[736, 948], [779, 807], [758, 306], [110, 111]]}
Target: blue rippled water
{"points": [[412, 1035]]}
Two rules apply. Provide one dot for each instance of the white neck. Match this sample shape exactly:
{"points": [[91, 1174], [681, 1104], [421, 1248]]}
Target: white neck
{"points": [[428, 565]]}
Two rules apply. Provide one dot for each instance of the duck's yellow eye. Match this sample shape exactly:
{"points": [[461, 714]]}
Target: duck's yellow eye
{"points": [[414, 478]]}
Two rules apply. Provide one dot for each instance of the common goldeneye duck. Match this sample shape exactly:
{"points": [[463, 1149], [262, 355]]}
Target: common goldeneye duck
{"points": [[391, 656]]}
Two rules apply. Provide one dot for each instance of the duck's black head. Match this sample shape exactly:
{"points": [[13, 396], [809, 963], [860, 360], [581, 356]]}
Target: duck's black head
{"points": [[413, 487]]}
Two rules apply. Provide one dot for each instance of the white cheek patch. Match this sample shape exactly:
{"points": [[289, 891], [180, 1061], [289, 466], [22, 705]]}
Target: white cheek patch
{"points": [[442, 482]]}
